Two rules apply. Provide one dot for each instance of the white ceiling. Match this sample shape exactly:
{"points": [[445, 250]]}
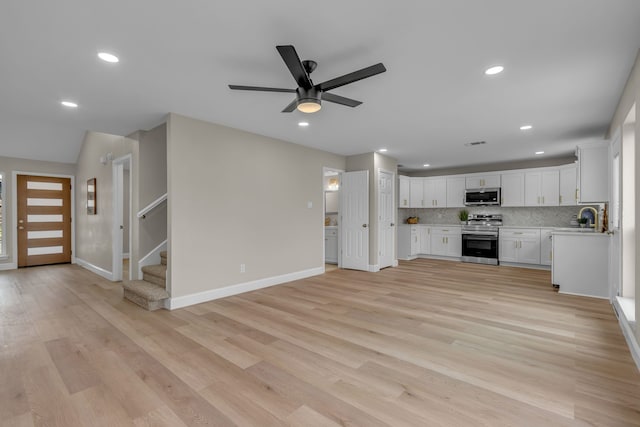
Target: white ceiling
{"points": [[566, 64]]}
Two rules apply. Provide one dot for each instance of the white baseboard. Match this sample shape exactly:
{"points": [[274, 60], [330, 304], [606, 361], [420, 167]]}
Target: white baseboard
{"points": [[374, 268], [395, 263], [8, 266], [95, 269], [629, 336], [580, 295], [213, 294]]}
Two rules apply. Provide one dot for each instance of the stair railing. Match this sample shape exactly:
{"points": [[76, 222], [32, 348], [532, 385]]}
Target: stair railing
{"points": [[151, 206]]}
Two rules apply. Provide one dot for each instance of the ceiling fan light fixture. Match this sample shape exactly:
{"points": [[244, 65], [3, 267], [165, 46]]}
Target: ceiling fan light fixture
{"points": [[309, 106]]}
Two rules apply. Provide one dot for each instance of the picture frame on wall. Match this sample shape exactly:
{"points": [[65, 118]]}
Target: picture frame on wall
{"points": [[92, 199]]}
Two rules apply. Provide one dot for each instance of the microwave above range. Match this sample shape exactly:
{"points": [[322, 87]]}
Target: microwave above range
{"points": [[482, 197]]}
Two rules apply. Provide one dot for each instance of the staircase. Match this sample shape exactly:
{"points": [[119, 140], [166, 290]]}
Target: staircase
{"points": [[149, 293]]}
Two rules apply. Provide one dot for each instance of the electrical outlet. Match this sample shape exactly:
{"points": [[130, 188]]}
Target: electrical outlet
{"points": [[243, 268]]}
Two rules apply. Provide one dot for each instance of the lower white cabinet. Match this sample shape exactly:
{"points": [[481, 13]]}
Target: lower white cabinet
{"points": [[424, 238], [408, 244], [546, 250], [446, 241], [520, 245], [331, 245]]}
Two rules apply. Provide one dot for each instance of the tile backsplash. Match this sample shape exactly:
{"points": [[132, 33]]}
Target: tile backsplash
{"points": [[557, 216]]}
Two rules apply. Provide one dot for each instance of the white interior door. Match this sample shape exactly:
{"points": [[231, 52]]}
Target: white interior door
{"points": [[385, 219], [615, 266], [355, 220]]}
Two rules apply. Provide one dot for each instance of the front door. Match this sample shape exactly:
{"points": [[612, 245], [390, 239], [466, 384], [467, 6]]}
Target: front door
{"points": [[386, 221], [44, 220], [355, 220]]}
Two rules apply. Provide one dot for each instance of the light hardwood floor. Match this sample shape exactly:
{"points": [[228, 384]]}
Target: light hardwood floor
{"points": [[430, 343]]}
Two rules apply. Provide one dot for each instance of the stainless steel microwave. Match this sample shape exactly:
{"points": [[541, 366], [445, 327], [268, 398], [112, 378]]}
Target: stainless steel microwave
{"points": [[482, 197]]}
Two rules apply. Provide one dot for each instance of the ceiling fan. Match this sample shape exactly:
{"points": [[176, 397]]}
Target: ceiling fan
{"points": [[308, 95]]}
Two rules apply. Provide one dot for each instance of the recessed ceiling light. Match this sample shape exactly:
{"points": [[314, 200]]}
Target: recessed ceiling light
{"points": [[426, 165], [496, 69], [539, 152], [108, 57], [69, 104], [382, 150], [526, 127], [303, 124]]}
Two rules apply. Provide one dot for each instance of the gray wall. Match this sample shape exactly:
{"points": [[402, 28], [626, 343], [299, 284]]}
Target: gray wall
{"points": [[94, 233], [7, 166], [240, 198], [152, 172]]}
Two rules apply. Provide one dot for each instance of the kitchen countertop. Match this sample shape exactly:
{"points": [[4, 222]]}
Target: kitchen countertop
{"points": [[435, 225]]}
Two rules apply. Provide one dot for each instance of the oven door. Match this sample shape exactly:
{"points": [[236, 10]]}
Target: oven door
{"points": [[480, 246]]}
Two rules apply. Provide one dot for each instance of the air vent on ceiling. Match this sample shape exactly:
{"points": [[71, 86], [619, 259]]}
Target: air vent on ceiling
{"points": [[471, 144]]}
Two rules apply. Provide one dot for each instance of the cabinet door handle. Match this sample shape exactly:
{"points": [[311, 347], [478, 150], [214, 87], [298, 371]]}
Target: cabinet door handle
{"points": [[543, 200], [560, 200], [576, 194]]}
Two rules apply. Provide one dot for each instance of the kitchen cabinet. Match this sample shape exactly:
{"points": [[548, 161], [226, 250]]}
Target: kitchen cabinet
{"points": [[581, 263], [542, 188], [483, 181], [434, 193], [416, 192], [568, 185], [424, 239], [512, 193], [331, 245], [455, 191], [403, 191], [546, 252], [408, 243], [446, 241], [593, 173], [520, 245]]}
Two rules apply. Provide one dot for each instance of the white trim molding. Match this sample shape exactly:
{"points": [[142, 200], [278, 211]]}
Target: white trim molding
{"points": [[373, 268], [629, 336], [227, 291], [95, 269], [8, 266]]}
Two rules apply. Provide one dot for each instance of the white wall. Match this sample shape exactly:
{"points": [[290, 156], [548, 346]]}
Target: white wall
{"points": [[240, 198], [7, 166], [630, 98], [94, 233]]}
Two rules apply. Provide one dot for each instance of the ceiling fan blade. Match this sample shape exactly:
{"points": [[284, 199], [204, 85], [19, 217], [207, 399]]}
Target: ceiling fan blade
{"points": [[289, 108], [291, 58], [261, 89], [352, 77], [337, 99]]}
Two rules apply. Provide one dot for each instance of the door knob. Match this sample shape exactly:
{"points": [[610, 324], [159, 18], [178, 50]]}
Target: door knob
{"points": [[364, 225], [392, 224]]}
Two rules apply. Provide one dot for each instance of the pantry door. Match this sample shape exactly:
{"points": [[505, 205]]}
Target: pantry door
{"points": [[44, 220]]}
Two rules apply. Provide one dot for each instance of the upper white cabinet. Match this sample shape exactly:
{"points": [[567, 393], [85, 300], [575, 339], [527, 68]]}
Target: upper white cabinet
{"points": [[403, 191], [593, 173], [455, 192], [568, 185], [483, 181], [416, 193], [512, 189], [542, 188], [434, 193]]}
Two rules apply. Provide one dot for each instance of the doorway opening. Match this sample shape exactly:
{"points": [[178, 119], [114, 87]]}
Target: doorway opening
{"points": [[331, 184], [122, 219]]}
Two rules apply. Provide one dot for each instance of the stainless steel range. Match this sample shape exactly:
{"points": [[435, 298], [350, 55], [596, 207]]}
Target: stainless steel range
{"points": [[480, 239]]}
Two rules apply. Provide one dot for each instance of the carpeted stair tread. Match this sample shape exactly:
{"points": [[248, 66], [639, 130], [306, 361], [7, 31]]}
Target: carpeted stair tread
{"points": [[146, 290], [158, 270]]}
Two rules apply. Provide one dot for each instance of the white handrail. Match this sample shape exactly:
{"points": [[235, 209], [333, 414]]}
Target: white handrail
{"points": [[152, 206]]}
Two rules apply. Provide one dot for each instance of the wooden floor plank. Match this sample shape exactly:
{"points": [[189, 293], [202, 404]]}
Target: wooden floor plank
{"points": [[430, 342]]}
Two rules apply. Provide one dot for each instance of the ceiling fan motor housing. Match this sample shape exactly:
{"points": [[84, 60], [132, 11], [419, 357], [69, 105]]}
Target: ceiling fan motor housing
{"points": [[312, 95]]}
